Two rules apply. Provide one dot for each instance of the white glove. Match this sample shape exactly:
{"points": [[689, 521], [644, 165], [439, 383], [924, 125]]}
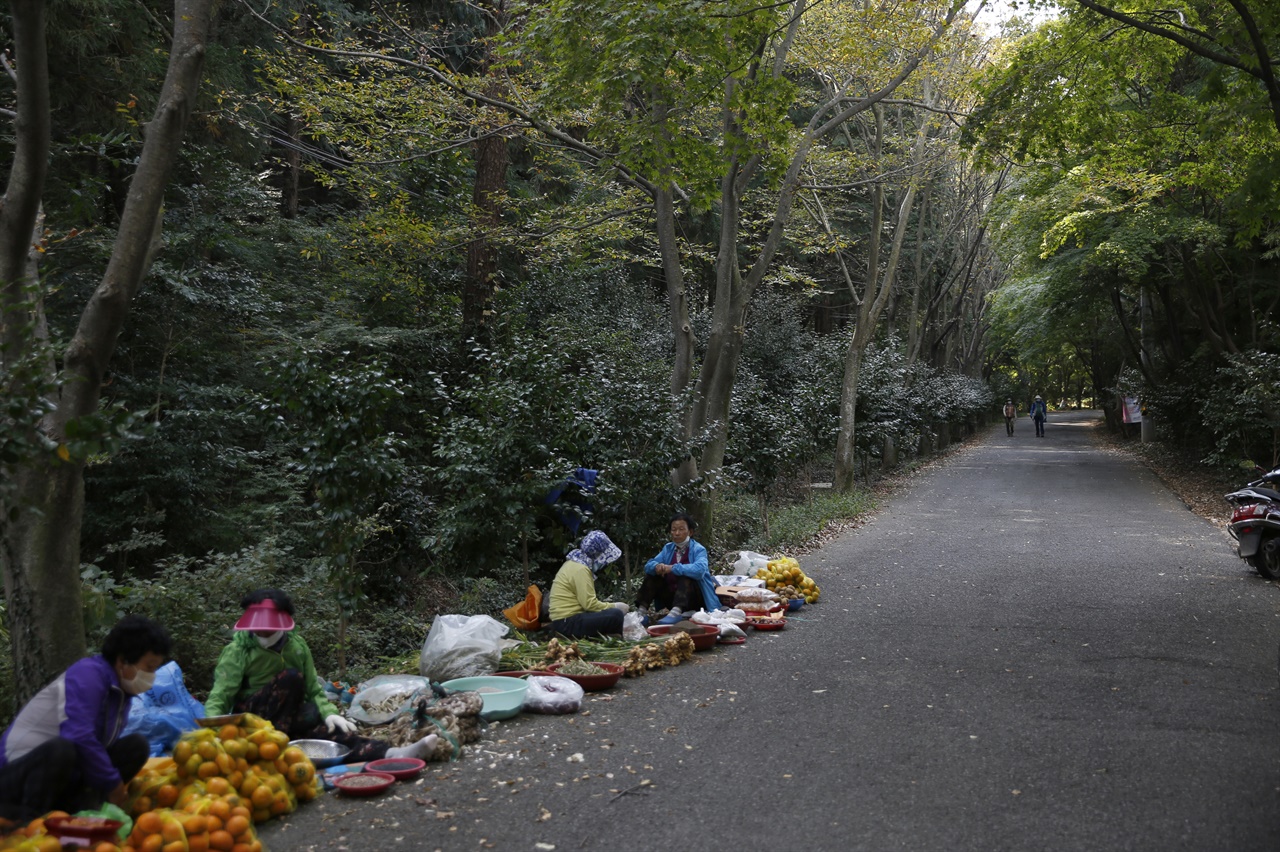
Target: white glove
{"points": [[338, 723], [619, 605]]}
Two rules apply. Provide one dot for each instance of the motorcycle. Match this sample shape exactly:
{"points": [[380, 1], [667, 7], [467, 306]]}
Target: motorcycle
{"points": [[1255, 524]]}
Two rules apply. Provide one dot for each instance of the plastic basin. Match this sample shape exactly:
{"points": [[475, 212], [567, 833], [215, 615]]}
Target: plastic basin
{"points": [[399, 768], [503, 696], [363, 783], [593, 683], [704, 636]]}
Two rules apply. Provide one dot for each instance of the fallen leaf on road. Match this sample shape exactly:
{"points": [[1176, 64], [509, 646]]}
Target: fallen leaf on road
{"points": [[543, 814]]}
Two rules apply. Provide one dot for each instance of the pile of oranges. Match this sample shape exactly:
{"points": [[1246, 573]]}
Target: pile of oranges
{"points": [[206, 798], [206, 824], [34, 837], [251, 762]]}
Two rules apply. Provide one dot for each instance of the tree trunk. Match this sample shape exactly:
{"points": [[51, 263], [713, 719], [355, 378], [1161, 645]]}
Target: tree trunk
{"points": [[41, 540], [482, 254]]}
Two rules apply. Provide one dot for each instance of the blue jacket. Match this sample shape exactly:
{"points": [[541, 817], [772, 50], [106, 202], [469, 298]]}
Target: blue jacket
{"points": [[1038, 411], [696, 569], [85, 705]]}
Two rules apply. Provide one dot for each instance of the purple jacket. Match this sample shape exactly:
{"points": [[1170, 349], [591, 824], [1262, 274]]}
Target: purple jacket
{"points": [[85, 705]]}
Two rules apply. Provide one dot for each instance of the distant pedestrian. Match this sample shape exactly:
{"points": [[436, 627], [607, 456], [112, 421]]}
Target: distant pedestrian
{"points": [[1010, 413], [1038, 415]]}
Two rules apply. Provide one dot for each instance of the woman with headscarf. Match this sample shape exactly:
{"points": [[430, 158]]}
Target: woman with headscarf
{"points": [[267, 670], [576, 612]]}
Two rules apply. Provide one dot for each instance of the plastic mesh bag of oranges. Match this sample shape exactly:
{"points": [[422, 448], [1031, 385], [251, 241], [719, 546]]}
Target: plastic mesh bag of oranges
{"points": [[160, 830]]}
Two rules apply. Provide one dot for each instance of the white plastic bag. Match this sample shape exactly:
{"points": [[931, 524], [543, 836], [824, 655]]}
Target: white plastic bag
{"points": [[376, 690], [750, 562], [553, 695], [633, 627], [461, 646]]}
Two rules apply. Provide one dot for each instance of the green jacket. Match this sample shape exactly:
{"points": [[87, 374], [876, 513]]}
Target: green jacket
{"points": [[245, 666]]}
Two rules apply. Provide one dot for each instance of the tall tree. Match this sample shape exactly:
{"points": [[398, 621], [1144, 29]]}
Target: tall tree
{"points": [[44, 503]]}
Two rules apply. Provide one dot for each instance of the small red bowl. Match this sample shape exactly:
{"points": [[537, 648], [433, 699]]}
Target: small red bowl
{"points": [[702, 639], [363, 783], [399, 768], [87, 829], [767, 623], [591, 683]]}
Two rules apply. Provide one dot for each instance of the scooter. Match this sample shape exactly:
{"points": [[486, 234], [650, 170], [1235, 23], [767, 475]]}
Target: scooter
{"points": [[1255, 524]]}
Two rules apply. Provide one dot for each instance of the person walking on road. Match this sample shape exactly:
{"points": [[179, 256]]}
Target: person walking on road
{"points": [[1038, 415], [1010, 413]]}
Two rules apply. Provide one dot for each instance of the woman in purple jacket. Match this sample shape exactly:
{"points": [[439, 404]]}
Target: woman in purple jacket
{"points": [[64, 750]]}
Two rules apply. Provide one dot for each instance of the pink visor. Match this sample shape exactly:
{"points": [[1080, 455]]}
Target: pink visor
{"points": [[264, 616]]}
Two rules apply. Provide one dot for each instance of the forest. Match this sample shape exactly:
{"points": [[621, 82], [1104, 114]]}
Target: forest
{"points": [[339, 297]]}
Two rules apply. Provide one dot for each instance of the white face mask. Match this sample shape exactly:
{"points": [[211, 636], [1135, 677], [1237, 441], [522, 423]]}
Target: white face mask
{"points": [[270, 639], [139, 683]]}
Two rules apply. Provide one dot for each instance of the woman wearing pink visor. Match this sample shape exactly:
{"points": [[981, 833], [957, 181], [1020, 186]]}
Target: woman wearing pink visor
{"points": [[267, 670]]}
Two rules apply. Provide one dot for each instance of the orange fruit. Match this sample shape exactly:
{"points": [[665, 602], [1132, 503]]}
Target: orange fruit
{"points": [[261, 814], [240, 847], [148, 823], [152, 843], [280, 805], [262, 797], [195, 824], [226, 764], [36, 826], [207, 750], [48, 843], [218, 787], [306, 794], [229, 732], [221, 840], [240, 810], [212, 823], [141, 805], [182, 752], [175, 846], [192, 767], [172, 831], [300, 773], [198, 843], [251, 752], [210, 769], [166, 796], [268, 751], [237, 826], [219, 808], [105, 846], [293, 755], [235, 779]]}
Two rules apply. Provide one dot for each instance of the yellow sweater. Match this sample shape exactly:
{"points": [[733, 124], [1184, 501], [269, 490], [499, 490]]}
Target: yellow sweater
{"points": [[573, 592]]}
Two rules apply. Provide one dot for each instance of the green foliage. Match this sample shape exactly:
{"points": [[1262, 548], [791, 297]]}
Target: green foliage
{"points": [[796, 525], [334, 415]]}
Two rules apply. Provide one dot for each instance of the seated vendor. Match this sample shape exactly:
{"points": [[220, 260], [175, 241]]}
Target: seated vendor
{"points": [[576, 612], [64, 751], [267, 670], [678, 578]]}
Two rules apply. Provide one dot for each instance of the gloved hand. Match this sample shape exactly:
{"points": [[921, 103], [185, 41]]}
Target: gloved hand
{"points": [[620, 605], [338, 723]]}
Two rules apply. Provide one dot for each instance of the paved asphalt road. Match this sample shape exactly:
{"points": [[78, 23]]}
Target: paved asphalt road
{"points": [[1033, 646]]}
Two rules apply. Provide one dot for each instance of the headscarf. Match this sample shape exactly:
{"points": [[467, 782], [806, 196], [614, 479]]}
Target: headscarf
{"points": [[596, 551]]}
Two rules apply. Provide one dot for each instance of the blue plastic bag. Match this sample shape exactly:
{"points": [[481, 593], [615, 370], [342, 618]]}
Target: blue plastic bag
{"points": [[164, 712]]}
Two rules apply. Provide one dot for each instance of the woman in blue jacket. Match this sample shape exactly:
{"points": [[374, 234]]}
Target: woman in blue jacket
{"points": [[678, 578], [64, 750]]}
